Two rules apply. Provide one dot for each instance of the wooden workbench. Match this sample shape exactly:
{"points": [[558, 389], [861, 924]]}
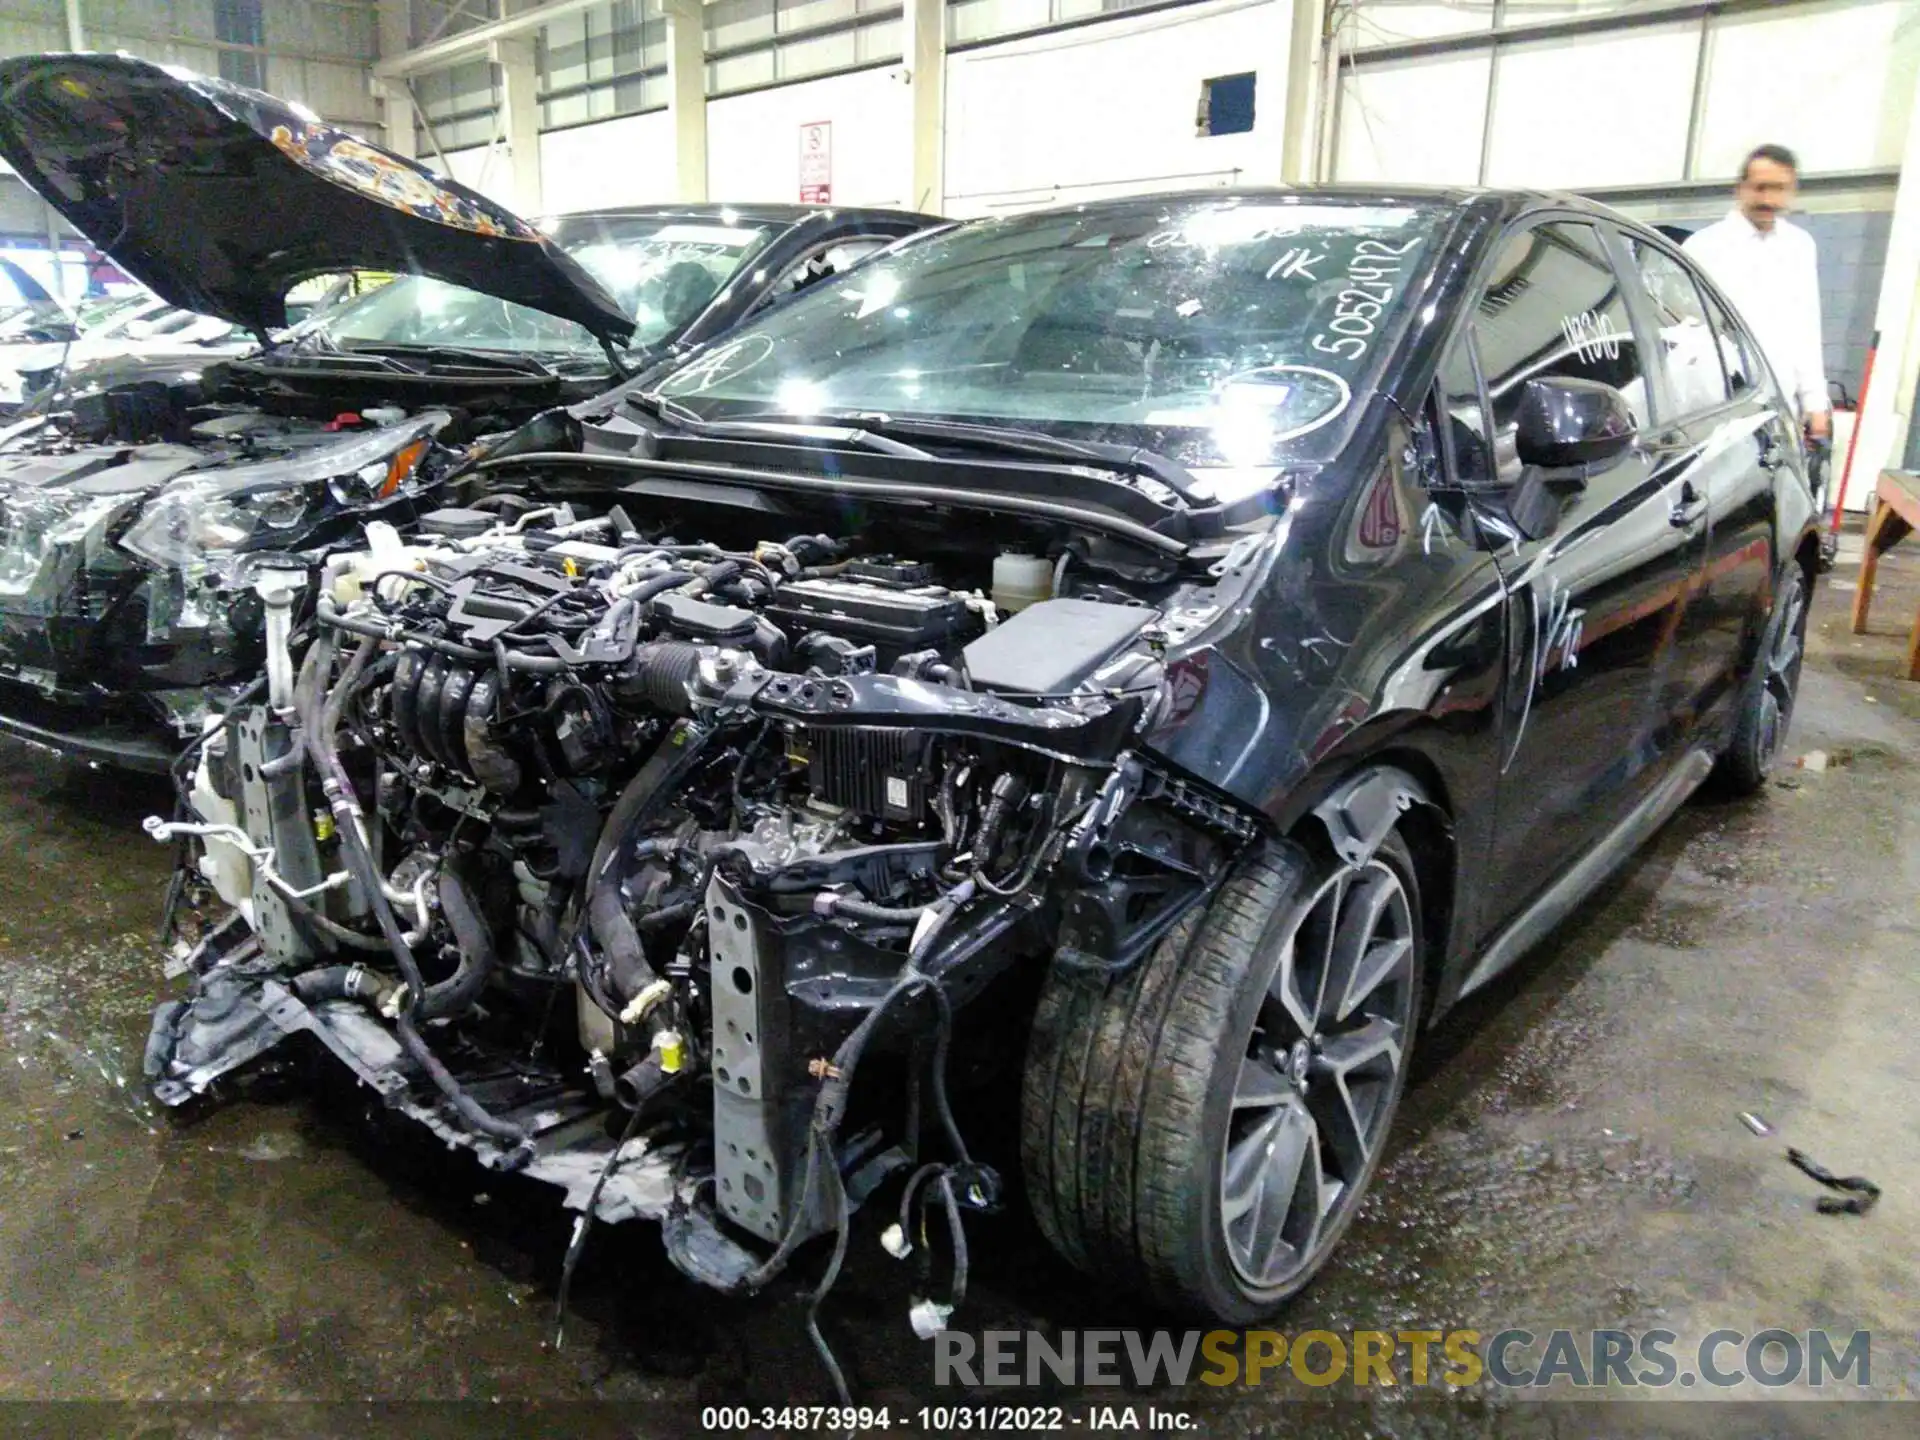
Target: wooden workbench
{"points": [[1894, 515]]}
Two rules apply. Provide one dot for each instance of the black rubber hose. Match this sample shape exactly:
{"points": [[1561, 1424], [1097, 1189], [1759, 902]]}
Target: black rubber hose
{"points": [[626, 958], [657, 585], [327, 926], [456, 994], [346, 809], [606, 916], [855, 909], [718, 574], [669, 764], [615, 930], [667, 915], [340, 982], [330, 982]]}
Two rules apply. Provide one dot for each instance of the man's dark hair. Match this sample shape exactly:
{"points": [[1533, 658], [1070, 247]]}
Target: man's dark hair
{"points": [[1777, 154]]}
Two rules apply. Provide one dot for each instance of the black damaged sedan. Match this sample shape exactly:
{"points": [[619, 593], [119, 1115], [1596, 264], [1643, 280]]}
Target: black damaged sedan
{"points": [[152, 511], [1178, 645]]}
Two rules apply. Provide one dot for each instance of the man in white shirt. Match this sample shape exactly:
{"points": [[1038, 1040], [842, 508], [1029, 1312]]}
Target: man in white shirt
{"points": [[1766, 267]]}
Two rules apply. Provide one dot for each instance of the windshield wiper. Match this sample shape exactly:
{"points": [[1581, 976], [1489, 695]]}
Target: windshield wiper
{"points": [[1105, 455], [788, 430], [887, 434]]}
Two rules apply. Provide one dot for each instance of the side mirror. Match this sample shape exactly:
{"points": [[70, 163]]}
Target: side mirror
{"points": [[1565, 422]]}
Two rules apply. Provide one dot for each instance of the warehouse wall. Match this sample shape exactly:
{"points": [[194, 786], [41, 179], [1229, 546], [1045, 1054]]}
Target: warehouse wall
{"points": [[1099, 108], [1835, 81], [1110, 108], [628, 161], [753, 140], [1656, 116]]}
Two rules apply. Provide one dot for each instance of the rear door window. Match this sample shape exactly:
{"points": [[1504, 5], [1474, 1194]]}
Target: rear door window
{"points": [[1689, 350], [1737, 351]]}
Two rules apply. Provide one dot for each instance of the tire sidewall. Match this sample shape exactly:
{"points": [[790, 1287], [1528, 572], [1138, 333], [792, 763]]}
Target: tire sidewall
{"points": [[1749, 765], [1230, 1299]]}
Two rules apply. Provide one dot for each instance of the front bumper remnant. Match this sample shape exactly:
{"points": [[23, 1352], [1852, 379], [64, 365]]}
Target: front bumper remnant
{"points": [[234, 1014]]}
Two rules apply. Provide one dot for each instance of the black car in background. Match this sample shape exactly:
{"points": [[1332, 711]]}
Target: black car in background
{"points": [[153, 507], [1245, 622]]}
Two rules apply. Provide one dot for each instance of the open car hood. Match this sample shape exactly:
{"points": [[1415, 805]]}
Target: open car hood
{"points": [[221, 199]]}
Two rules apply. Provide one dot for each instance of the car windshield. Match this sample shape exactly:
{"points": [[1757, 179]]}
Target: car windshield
{"points": [[1219, 333], [661, 269]]}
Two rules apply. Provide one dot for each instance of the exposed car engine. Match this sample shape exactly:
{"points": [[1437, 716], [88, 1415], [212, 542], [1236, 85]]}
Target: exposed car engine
{"points": [[736, 815]]}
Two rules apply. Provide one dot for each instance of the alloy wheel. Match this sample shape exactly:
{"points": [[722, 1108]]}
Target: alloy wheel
{"points": [[1319, 1075], [1782, 678]]}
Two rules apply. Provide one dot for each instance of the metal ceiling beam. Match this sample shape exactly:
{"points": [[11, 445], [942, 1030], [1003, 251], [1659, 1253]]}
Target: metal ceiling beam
{"points": [[455, 11], [469, 43]]}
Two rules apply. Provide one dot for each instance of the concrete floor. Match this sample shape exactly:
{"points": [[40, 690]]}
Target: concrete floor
{"points": [[1570, 1154]]}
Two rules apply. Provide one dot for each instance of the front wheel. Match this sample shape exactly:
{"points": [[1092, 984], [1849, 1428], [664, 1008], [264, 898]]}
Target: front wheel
{"points": [[1766, 709], [1203, 1127]]}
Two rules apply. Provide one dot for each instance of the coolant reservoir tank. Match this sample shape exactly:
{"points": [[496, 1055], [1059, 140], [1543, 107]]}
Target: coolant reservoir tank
{"points": [[222, 863], [1021, 580]]}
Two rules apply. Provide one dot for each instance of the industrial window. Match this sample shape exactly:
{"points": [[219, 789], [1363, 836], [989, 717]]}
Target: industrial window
{"points": [[605, 61], [239, 23], [1226, 105]]}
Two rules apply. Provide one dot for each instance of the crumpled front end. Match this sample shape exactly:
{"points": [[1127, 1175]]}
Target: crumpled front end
{"points": [[565, 836], [239, 1008], [128, 602]]}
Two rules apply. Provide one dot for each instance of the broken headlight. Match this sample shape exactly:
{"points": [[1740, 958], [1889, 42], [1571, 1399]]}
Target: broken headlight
{"points": [[238, 506], [179, 527]]}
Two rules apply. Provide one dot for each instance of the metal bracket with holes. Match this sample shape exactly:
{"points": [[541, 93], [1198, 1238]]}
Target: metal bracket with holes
{"points": [[274, 807], [753, 1170]]}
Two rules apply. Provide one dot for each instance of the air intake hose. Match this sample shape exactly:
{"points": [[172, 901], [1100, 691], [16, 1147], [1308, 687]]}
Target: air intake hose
{"points": [[659, 676]]}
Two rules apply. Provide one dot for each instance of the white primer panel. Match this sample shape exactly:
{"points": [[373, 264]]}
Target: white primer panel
{"points": [[1833, 84], [628, 161], [1110, 109], [753, 141], [1416, 122], [1598, 110]]}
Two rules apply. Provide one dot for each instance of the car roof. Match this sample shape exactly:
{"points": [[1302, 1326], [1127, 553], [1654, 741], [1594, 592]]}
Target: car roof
{"points": [[756, 213], [1483, 202]]}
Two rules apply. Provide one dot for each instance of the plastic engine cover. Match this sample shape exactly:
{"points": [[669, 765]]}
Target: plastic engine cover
{"points": [[1052, 646]]}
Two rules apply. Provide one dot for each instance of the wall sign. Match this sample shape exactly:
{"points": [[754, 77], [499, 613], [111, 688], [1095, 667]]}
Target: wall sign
{"points": [[816, 163]]}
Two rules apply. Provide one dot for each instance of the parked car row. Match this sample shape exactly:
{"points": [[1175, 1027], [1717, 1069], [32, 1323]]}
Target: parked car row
{"points": [[645, 688]]}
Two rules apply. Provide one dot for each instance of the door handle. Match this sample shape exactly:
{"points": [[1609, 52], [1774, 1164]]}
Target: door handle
{"points": [[1772, 453], [1689, 507]]}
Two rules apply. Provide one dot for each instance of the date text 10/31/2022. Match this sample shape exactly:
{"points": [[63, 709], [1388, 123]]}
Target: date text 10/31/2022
{"points": [[945, 1419]]}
